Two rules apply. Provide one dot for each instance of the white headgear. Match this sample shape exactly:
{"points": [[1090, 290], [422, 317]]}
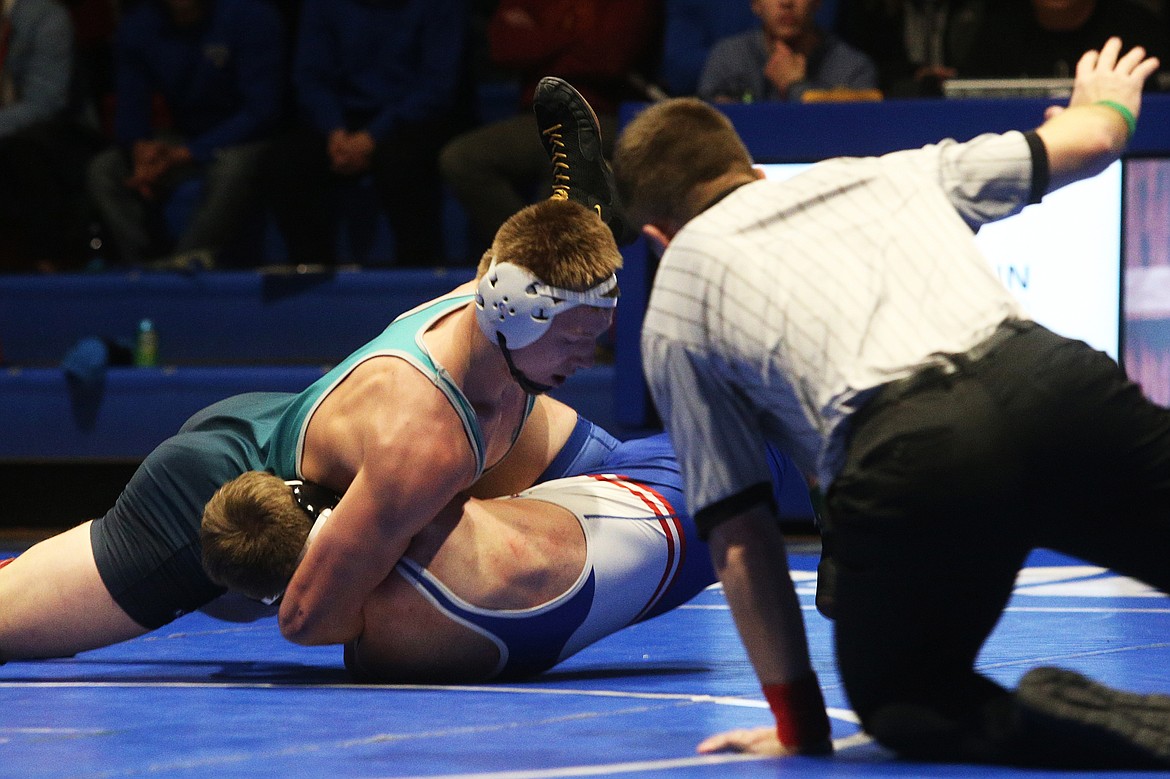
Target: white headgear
{"points": [[512, 301]]}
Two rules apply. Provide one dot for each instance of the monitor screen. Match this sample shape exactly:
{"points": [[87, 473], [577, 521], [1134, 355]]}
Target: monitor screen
{"points": [[1147, 276], [1060, 257]]}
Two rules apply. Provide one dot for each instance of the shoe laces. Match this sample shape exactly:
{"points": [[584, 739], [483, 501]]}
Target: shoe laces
{"points": [[560, 163]]}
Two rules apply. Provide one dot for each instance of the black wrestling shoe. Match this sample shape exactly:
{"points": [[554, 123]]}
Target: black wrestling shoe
{"points": [[572, 137], [1071, 721]]}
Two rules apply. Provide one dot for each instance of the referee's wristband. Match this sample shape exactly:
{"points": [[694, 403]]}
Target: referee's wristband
{"points": [[802, 724], [1126, 114]]}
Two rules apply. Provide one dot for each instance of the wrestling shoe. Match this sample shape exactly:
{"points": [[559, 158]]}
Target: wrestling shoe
{"points": [[1071, 721], [572, 138]]}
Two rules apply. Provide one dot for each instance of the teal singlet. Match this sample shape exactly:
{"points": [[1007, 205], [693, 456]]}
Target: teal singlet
{"points": [[402, 338]]}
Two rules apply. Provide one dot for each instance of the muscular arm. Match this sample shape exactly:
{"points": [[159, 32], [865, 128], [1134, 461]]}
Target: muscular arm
{"points": [[1086, 137], [357, 549], [411, 466]]}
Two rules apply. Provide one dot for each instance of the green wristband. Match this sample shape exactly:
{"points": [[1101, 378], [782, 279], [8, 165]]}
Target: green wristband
{"points": [[1126, 114]]}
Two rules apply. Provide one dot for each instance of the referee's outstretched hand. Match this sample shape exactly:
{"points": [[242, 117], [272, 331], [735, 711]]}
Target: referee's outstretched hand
{"points": [[1091, 132], [1109, 75]]}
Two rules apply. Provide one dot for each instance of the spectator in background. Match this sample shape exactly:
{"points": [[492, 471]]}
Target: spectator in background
{"points": [[916, 44], [376, 83], [1045, 38], [604, 47], [217, 66], [691, 28], [36, 59], [784, 58], [36, 64], [94, 24]]}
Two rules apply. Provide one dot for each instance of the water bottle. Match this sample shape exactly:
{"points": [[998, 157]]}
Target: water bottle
{"points": [[146, 345]]}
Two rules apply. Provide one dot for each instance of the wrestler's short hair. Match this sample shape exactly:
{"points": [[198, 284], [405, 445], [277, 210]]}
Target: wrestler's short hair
{"points": [[667, 152], [252, 534], [561, 242]]}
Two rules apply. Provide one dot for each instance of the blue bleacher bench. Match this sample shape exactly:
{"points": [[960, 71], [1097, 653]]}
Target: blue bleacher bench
{"points": [[219, 334]]}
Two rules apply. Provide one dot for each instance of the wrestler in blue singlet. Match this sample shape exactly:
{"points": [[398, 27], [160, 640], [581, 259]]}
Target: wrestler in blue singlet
{"points": [[644, 558]]}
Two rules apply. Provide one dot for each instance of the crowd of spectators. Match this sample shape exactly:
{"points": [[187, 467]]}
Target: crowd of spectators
{"points": [[155, 133], [605, 48]]}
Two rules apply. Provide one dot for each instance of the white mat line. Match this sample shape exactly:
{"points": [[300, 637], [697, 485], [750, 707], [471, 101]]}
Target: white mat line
{"points": [[79, 684], [606, 769], [55, 731], [254, 627], [322, 748], [1032, 661], [1034, 609], [846, 715], [724, 700], [1088, 610]]}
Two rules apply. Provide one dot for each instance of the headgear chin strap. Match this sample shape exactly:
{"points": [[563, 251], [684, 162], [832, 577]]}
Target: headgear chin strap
{"points": [[526, 384], [512, 302], [318, 503]]}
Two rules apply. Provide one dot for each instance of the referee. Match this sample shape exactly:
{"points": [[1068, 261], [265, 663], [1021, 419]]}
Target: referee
{"points": [[847, 316]]}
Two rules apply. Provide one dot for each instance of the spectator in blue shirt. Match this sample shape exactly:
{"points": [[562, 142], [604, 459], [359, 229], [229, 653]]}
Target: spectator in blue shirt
{"points": [[783, 59], [376, 83], [217, 67]]}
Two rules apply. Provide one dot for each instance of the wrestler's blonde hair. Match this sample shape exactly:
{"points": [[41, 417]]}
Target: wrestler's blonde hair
{"points": [[252, 534]]}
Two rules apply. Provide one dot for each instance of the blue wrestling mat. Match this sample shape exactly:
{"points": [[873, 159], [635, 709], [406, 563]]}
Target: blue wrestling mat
{"points": [[209, 698]]}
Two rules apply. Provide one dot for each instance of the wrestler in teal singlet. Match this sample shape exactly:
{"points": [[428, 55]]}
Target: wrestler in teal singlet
{"points": [[147, 546]]}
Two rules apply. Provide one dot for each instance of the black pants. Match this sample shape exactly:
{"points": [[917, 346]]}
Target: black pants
{"points": [[945, 491], [301, 189]]}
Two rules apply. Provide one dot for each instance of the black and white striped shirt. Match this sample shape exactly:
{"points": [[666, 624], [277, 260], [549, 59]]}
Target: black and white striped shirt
{"points": [[776, 310]]}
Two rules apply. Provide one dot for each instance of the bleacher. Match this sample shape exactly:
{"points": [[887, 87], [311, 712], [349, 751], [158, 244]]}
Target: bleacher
{"points": [[69, 440], [221, 333]]}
